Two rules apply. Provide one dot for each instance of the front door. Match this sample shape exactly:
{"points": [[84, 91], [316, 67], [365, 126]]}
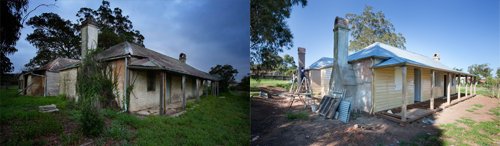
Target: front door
{"points": [[418, 85], [445, 85]]}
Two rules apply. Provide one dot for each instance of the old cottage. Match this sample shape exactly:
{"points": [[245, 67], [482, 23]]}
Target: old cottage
{"points": [[43, 81], [319, 74], [381, 77], [158, 84]]}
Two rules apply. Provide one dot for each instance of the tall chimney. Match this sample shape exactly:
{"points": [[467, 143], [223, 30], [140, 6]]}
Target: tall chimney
{"points": [[341, 38], [436, 57], [182, 57], [90, 32], [302, 60]]}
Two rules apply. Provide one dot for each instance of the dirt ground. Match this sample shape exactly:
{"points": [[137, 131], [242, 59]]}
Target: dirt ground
{"points": [[270, 125], [459, 110]]}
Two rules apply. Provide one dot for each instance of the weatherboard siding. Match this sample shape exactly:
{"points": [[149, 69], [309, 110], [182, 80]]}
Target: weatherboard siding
{"points": [[386, 95]]}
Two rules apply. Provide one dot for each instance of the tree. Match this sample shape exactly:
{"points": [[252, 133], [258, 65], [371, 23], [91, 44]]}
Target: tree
{"points": [[226, 74], [288, 66], [371, 27], [269, 33], [11, 12], [481, 70], [245, 83], [114, 26], [54, 37], [498, 73]]}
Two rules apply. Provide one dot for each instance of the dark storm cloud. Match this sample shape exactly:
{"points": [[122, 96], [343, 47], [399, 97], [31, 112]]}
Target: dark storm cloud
{"points": [[209, 32]]}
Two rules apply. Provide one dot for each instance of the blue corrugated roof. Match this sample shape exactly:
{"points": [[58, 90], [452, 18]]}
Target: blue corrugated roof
{"points": [[391, 56], [322, 63], [396, 56]]}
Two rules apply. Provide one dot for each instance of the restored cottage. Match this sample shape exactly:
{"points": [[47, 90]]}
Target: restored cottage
{"points": [[319, 75], [381, 77]]}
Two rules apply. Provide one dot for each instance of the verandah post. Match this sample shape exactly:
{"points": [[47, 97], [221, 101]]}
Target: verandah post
{"points": [[433, 84], [403, 108]]}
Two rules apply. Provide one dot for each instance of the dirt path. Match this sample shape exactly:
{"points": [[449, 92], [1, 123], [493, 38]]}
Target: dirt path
{"points": [[270, 126], [476, 108]]}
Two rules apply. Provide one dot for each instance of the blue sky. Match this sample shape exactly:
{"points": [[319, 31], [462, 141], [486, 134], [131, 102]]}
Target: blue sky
{"points": [[463, 32], [209, 32]]}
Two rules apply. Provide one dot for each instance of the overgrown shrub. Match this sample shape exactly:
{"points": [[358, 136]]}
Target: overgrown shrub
{"points": [[95, 88], [92, 122]]}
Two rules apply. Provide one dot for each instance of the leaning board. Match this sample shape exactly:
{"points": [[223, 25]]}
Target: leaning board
{"points": [[344, 111]]}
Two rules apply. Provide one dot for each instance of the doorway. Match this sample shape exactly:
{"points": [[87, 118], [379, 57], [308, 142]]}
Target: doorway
{"points": [[418, 85], [445, 85]]}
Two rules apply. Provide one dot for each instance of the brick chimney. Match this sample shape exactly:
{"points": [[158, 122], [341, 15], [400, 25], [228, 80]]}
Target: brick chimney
{"points": [[90, 32], [302, 60], [436, 57], [182, 57], [341, 39]]}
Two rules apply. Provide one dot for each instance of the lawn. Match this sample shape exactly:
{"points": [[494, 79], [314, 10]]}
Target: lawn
{"points": [[222, 120], [267, 82]]}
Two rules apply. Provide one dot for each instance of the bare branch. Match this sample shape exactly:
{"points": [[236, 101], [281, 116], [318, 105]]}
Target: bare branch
{"points": [[45, 5]]}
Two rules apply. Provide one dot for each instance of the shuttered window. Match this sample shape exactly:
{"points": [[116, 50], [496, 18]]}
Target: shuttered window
{"points": [[151, 81], [398, 78]]}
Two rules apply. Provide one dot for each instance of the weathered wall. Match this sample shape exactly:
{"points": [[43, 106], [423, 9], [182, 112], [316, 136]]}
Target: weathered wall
{"points": [[67, 83], [386, 94], [52, 83], [176, 96], [140, 97], [326, 74], [315, 79], [118, 75], [363, 99], [36, 85]]}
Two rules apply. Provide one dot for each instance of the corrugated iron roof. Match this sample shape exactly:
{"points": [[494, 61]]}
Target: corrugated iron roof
{"points": [[149, 59], [391, 56], [394, 56], [323, 62], [58, 63]]}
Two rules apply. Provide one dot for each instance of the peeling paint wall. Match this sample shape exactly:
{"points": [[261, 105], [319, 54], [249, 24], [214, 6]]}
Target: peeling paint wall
{"points": [[118, 75], [140, 97], [363, 99], [52, 83], [36, 85], [67, 83]]}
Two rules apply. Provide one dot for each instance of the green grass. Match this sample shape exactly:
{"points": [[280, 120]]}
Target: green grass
{"points": [[212, 121], [301, 115], [267, 82], [467, 131]]}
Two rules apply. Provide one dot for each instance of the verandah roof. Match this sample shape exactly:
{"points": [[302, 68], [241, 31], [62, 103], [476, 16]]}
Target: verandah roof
{"points": [[394, 56]]}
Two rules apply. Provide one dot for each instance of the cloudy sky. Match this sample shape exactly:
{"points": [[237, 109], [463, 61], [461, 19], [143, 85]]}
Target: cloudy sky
{"points": [[209, 32]]}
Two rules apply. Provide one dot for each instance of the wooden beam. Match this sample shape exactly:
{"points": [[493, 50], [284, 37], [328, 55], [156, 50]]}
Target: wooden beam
{"points": [[162, 94], [183, 87], [405, 87], [475, 84], [466, 81], [197, 90], [433, 84], [458, 86], [448, 89]]}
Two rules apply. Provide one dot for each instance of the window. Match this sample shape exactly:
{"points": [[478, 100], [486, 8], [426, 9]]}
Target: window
{"points": [[437, 80], [151, 81], [398, 78]]}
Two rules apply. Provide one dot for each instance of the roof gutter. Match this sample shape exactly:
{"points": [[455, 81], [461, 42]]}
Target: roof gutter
{"points": [[438, 69]]}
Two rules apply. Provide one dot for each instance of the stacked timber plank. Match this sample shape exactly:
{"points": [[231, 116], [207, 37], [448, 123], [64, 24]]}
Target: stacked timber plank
{"points": [[329, 106]]}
